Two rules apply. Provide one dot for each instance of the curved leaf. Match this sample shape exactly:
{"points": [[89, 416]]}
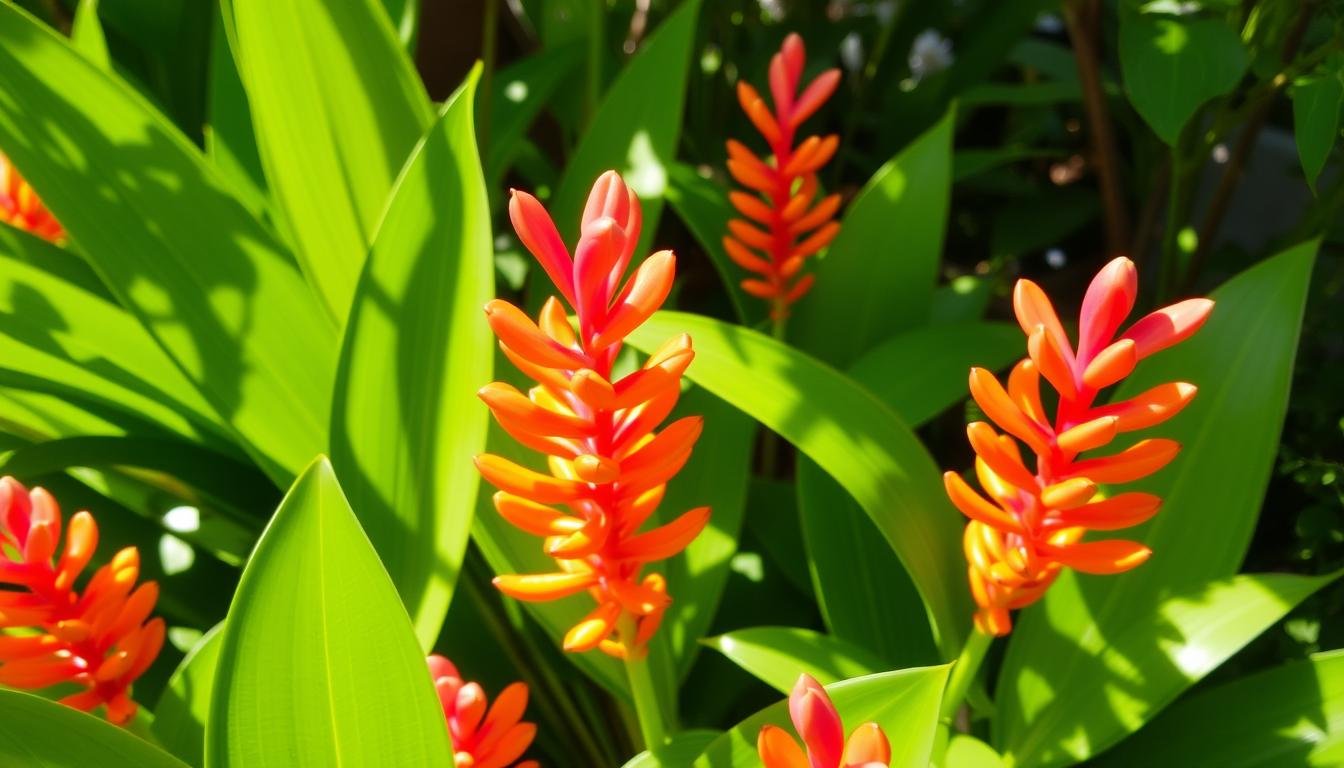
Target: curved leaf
{"points": [[1289, 715], [777, 655], [859, 441], [41, 733], [1242, 361], [680, 750], [1172, 66], [905, 703], [878, 276], [318, 663], [337, 107], [156, 221], [969, 752], [1316, 105], [406, 421], [184, 706], [703, 207]]}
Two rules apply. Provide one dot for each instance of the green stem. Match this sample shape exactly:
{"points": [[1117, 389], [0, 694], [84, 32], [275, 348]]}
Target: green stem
{"points": [[593, 81], [964, 672], [648, 705], [770, 443]]}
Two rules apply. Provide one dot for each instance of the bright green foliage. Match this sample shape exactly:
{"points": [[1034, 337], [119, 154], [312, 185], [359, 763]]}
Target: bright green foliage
{"points": [[871, 285], [184, 708], [778, 654], [904, 703], [43, 734], [209, 282], [861, 443], [417, 313], [317, 640], [337, 108], [1172, 66], [1316, 104], [1290, 715]]}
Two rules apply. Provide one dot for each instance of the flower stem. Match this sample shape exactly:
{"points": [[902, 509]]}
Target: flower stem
{"points": [[648, 705], [770, 443], [964, 672]]}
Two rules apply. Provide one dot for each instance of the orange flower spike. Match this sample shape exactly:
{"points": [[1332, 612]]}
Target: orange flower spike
{"points": [[607, 465], [101, 640], [21, 208], [823, 735], [1018, 542], [481, 738], [782, 224]]}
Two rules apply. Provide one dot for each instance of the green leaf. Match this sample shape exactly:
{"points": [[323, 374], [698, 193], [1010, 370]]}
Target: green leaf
{"points": [[229, 141], [1288, 715], [86, 34], [963, 300], [852, 435], [518, 94], [871, 284], [1316, 104], [1171, 66], [845, 554], [716, 476], [156, 222], [969, 752], [43, 734], [59, 337], [1148, 663], [337, 107], [318, 663], [635, 131], [904, 702], [777, 655], [703, 206], [406, 421], [184, 706], [1242, 361], [680, 750]]}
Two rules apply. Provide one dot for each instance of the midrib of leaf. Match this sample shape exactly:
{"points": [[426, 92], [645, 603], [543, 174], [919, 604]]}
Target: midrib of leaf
{"points": [[322, 608]]}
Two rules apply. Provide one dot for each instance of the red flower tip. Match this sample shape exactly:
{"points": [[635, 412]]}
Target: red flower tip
{"points": [[1031, 526], [21, 208], [818, 723], [783, 223], [606, 463], [101, 639], [482, 738]]}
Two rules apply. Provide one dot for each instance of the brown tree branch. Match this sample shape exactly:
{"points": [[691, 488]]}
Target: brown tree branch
{"points": [[1080, 17]]}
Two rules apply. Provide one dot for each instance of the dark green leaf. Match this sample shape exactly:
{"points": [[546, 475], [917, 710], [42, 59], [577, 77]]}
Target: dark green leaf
{"points": [[1316, 104], [1171, 66]]}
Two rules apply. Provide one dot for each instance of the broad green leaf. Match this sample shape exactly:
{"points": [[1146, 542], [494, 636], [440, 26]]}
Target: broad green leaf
{"points": [[845, 553], [517, 96], [40, 733], [1242, 362], [406, 421], [904, 702], [703, 206], [1145, 665], [1288, 715], [969, 752], [86, 34], [852, 435], [229, 141], [60, 337], [1316, 104], [680, 750], [155, 220], [716, 476], [777, 655], [184, 706], [318, 664], [965, 299], [878, 277], [337, 107], [38, 416], [1171, 66], [636, 129]]}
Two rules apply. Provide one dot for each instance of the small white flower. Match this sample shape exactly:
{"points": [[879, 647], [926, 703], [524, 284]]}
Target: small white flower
{"points": [[1049, 24], [1056, 258], [929, 54], [1220, 153], [851, 52], [772, 10]]}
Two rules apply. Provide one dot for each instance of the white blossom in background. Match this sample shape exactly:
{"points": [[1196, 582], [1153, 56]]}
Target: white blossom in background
{"points": [[929, 54], [1220, 153], [772, 10], [1056, 258], [885, 11], [851, 52], [1049, 24]]}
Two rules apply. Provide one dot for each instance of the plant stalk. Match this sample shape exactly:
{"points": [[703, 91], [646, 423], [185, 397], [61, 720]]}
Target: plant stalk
{"points": [[648, 706], [964, 672]]}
